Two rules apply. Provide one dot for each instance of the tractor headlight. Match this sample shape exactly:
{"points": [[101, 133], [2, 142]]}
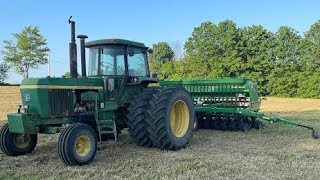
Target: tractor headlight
{"points": [[26, 109]]}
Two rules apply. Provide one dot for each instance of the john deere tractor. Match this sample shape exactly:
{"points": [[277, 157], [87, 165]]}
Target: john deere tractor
{"points": [[116, 95], [113, 96]]}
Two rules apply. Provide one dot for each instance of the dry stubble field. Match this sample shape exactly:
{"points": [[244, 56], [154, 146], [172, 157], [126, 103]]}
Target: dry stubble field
{"points": [[276, 152]]}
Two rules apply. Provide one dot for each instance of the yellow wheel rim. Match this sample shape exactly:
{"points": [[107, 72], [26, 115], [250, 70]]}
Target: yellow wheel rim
{"points": [[179, 118], [21, 140], [83, 145]]}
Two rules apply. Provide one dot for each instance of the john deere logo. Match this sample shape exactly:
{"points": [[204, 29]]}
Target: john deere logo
{"points": [[27, 97]]}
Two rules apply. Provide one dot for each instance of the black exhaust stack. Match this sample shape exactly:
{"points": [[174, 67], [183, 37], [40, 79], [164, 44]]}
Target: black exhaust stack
{"points": [[83, 54], [73, 51]]}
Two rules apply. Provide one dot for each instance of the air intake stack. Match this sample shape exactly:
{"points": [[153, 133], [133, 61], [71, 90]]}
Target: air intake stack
{"points": [[83, 54]]}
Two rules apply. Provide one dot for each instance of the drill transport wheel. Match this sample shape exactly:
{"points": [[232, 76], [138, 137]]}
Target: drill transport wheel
{"points": [[258, 124], [244, 126]]}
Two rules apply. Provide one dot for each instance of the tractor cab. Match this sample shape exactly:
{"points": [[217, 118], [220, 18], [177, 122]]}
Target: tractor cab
{"points": [[118, 62], [117, 58]]}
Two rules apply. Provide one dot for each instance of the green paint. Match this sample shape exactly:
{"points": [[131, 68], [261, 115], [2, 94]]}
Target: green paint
{"points": [[95, 82], [228, 92], [206, 82], [36, 97], [37, 100], [21, 123]]}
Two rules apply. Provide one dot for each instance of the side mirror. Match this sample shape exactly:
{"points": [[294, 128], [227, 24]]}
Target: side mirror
{"points": [[166, 75], [150, 50]]}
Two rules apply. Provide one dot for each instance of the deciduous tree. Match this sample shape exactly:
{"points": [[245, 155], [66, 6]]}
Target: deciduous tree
{"points": [[3, 71], [27, 51], [162, 53]]}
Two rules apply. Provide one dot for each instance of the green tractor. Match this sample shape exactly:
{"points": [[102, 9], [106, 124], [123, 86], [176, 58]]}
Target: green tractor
{"points": [[116, 95], [113, 96]]}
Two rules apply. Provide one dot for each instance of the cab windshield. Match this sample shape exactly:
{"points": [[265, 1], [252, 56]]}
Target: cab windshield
{"points": [[110, 61]]}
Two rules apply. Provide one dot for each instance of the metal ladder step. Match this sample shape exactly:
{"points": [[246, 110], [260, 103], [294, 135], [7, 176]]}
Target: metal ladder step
{"points": [[107, 123], [106, 132]]}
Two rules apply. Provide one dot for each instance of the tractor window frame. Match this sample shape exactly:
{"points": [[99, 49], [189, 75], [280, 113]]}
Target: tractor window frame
{"points": [[145, 57], [98, 61], [126, 55]]}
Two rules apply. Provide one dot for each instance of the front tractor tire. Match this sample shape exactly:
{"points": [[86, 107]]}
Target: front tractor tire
{"points": [[171, 115], [14, 144], [77, 144]]}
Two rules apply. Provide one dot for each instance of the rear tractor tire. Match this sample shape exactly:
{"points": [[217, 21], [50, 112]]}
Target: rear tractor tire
{"points": [[77, 144], [137, 118], [14, 144], [171, 116]]}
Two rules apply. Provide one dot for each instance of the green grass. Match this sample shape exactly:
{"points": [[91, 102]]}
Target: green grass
{"points": [[276, 152]]}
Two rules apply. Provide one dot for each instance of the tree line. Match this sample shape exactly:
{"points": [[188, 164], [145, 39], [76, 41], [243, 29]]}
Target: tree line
{"points": [[283, 63]]}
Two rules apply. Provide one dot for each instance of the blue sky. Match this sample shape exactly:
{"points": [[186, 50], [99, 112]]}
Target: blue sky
{"points": [[141, 20]]}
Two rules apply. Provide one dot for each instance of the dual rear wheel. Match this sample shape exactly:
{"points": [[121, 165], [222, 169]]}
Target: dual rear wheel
{"points": [[163, 116]]}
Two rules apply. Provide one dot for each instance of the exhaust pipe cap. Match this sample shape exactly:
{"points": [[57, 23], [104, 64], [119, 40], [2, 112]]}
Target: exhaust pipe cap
{"points": [[82, 36]]}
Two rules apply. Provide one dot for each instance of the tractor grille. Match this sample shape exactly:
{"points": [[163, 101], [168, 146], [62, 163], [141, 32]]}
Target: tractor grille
{"points": [[60, 102]]}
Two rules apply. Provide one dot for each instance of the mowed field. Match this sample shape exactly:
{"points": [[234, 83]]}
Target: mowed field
{"points": [[10, 99], [276, 152]]}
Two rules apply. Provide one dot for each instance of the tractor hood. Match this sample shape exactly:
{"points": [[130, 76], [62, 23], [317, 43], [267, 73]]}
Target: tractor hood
{"points": [[61, 83], [54, 97]]}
